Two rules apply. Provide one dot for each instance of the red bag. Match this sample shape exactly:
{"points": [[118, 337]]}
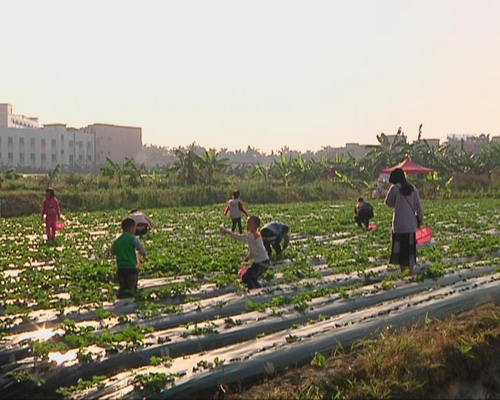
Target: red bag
{"points": [[372, 227], [423, 235], [59, 225]]}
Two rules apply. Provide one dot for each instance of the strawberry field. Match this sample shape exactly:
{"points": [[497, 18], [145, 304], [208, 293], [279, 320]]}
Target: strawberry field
{"points": [[193, 330]]}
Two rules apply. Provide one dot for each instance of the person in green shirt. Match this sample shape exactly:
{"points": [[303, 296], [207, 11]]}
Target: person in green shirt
{"points": [[124, 248]]}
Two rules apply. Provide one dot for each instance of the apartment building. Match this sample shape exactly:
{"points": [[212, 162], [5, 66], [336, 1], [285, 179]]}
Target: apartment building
{"points": [[27, 145], [10, 120], [468, 142], [45, 148], [115, 142]]}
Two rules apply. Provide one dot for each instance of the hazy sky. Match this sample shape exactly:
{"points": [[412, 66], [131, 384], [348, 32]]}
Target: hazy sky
{"points": [[264, 73]]}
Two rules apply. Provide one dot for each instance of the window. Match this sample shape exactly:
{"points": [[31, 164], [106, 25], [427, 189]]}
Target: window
{"points": [[89, 158], [32, 157], [21, 158], [21, 141], [32, 142], [10, 142], [53, 157], [71, 158], [10, 156], [62, 153], [53, 143], [70, 143], [43, 143], [44, 157]]}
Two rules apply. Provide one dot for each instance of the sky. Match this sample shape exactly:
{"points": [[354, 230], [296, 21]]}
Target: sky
{"points": [[230, 73]]}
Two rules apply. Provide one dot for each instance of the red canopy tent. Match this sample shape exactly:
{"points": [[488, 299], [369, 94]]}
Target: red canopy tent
{"points": [[409, 167]]}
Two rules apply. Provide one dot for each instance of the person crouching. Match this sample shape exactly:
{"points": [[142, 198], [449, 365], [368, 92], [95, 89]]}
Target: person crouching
{"points": [[256, 251]]}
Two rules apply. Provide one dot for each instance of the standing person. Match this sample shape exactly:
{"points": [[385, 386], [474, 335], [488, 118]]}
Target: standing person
{"points": [[407, 217], [272, 235], [142, 222], [124, 248], [363, 212], [51, 211], [235, 209], [256, 251]]}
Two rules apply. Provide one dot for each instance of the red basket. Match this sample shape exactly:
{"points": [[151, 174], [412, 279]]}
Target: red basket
{"points": [[423, 235], [242, 272]]}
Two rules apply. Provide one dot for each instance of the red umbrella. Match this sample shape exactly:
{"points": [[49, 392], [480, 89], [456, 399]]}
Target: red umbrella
{"points": [[409, 167]]}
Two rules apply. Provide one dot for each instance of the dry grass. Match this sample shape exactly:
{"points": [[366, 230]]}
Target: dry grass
{"points": [[416, 362]]}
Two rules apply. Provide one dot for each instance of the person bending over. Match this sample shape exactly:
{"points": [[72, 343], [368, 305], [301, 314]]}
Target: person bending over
{"points": [[363, 212], [272, 235], [142, 222]]}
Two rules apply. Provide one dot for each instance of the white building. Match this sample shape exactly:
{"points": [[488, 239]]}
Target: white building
{"points": [[27, 145], [11, 120], [45, 148]]}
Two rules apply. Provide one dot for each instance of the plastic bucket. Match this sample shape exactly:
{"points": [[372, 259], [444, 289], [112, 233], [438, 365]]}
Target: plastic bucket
{"points": [[423, 235]]}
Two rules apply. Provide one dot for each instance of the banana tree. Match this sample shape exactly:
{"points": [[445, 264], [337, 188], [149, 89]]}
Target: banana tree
{"points": [[118, 171], [133, 171], [387, 152], [210, 164], [186, 164], [283, 168], [260, 171], [54, 174], [113, 170]]}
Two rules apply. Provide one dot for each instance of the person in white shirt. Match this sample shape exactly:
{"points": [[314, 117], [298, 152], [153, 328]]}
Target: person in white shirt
{"points": [[142, 222], [256, 251], [407, 218], [235, 209]]}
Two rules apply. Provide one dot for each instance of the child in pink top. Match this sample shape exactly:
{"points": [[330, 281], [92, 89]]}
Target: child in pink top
{"points": [[51, 211]]}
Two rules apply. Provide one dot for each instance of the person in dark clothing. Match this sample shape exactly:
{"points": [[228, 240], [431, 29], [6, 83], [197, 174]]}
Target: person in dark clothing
{"points": [[363, 212], [272, 235]]}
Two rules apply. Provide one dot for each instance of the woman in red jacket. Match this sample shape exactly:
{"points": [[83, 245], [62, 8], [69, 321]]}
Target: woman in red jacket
{"points": [[51, 211]]}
